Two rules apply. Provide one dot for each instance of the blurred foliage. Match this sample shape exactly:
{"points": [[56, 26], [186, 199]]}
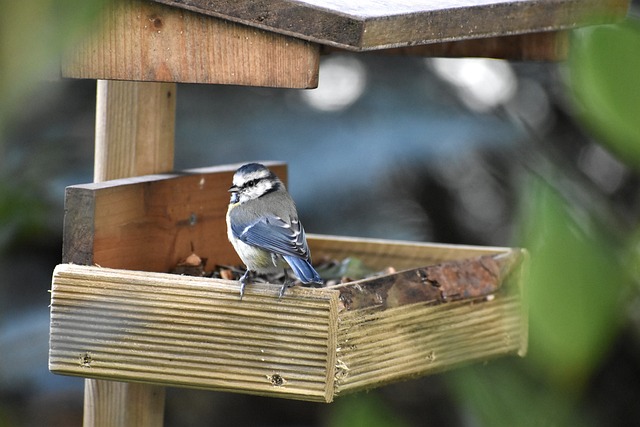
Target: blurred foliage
{"points": [[578, 287], [22, 213], [33, 35], [575, 288], [505, 393], [363, 410], [605, 81]]}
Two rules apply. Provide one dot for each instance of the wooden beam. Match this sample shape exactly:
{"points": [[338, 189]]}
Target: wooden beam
{"points": [[149, 223], [134, 135], [143, 41], [135, 126], [372, 24], [113, 403], [546, 46]]}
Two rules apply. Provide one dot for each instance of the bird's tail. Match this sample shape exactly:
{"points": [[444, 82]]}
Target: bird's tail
{"points": [[303, 269]]}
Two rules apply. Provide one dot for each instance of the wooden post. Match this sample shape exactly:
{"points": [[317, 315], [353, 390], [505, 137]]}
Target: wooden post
{"points": [[134, 136], [134, 129], [111, 403]]}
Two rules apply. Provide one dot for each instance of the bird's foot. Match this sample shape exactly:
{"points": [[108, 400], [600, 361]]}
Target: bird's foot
{"points": [[286, 284], [243, 282]]}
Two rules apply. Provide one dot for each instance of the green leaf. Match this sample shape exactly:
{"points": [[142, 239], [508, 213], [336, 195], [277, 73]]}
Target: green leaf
{"points": [[575, 287], [604, 71], [22, 212]]}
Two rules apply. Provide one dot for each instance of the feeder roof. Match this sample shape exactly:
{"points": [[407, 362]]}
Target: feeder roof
{"points": [[377, 24]]}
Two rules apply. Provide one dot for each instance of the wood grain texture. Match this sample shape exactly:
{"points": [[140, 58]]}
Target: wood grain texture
{"points": [[146, 41], [150, 223], [196, 332], [454, 304], [185, 331], [118, 404], [382, 253], [466, 305], [371, 24], [135, 127], [410, 341], [544, 46], [134, 135], [466, 278]]}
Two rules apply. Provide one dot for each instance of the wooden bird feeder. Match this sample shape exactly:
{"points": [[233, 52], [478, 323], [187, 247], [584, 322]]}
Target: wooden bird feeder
{"points": [[121, 321], [448, 305]]}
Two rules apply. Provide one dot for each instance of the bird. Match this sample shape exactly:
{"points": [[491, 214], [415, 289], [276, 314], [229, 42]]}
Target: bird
{"points": [[264, 229]]}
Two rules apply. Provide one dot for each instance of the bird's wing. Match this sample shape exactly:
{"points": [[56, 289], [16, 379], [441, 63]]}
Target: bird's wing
{"points": [[275, 235]]}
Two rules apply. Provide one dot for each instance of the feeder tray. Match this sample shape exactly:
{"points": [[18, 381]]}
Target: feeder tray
{"points": [[448, 304]]}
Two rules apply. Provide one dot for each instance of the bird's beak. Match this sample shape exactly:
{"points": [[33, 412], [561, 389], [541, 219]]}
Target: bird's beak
{"points": [[234, 194]]}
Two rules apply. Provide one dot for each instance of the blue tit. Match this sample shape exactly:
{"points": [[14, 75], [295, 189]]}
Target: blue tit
{"points": [[263, 227]]}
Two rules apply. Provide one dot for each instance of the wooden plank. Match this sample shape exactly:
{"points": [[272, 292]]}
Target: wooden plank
{"points": [[546, 46], [117, 404], [312, 344], [186, 331], [372, 25], [468, 278], [466, 306], [150, 223], [145, 41], [382, 253], [411, 341], [135, 127]]}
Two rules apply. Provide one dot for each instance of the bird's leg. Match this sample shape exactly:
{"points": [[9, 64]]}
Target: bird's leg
{"points": [[286, 283], [243, 282]]}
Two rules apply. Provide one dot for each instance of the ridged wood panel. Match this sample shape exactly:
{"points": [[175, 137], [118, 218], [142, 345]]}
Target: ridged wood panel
{"points": [[184, 331], [379, 347]]}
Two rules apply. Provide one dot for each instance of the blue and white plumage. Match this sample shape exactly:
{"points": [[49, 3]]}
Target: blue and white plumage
{"points": [[263, 226]]}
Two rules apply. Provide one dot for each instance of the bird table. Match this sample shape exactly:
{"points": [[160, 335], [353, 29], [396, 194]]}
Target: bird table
{"points": [[121, 321]]}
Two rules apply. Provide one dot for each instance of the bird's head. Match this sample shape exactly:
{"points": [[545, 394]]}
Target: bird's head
{"points": [[252, 181]]}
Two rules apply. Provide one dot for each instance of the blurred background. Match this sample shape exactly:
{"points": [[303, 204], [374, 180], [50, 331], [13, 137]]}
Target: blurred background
{"points": [[474, 151]]}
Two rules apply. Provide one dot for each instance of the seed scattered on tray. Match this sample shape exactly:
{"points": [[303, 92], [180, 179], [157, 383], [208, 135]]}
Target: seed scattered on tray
{"points": [[332, 271], [192, 265]]}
